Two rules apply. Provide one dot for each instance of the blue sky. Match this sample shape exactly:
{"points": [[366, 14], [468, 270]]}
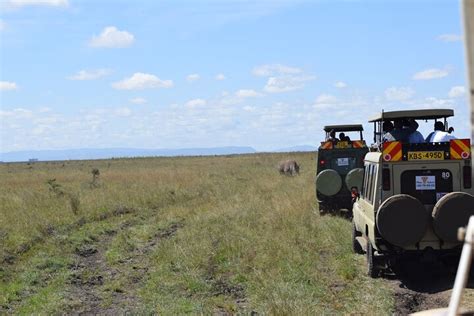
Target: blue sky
{"points": [[174, 74]]}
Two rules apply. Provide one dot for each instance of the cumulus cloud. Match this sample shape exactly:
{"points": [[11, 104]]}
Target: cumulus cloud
{"points": [[432, 73], [457, 91], [140, 81], [89, 74], [193, 77], [18, 113], [138, 100], [195, 103], [340, 85], [399, 93], [449, 38], [275, 69], [247, 93], [220, 77], [50, 3], [7, 85], [123, 111], [286, 83], [325, 99], [111, 37]]}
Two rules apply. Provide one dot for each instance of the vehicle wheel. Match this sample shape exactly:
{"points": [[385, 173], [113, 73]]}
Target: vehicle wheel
{"points": [[356, 247], [323, 208], [372, 269]]}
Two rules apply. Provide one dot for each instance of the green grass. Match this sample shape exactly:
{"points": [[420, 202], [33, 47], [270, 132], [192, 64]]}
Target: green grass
{"points": [[178, 235]]}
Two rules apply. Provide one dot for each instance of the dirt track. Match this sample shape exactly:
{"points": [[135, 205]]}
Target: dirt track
{"points": [[419, 287]]}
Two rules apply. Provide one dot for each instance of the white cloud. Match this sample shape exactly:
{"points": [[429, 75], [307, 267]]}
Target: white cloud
{"points": [[220, 77], [249, 108], [432, 73], [399, 93], [247, 93], [340, 85], [457, 91], [90, 74], [7, 85], [193, 77], [286, 83], [195, 103], [275, 69], [18, 113], [124, 111], [138, 100], [449, 38], [51, 3], [111, 37], [326, 99], [139, 81]]}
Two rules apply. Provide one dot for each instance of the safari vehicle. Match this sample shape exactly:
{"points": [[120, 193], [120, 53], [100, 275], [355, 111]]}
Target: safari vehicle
{"points": [[414, 197], [339, 168]]}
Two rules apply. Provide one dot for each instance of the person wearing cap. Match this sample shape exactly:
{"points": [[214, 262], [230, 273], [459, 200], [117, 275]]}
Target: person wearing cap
{"points": [[415, 136]]}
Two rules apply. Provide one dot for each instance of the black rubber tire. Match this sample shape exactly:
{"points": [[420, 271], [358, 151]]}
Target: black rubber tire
{"points": [[372, 269], [451, 212], [356, 247], [402, 220]]}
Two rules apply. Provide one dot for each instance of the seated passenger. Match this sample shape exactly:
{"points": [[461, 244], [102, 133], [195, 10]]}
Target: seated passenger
{"points": [[332, 136], [439, 135], [343, 137], [398, 133], [415, 137], [387, 128]]}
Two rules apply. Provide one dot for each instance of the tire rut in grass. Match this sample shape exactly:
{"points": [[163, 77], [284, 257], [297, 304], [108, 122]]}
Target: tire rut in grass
{"points": [[91, 274], [421, 287]]}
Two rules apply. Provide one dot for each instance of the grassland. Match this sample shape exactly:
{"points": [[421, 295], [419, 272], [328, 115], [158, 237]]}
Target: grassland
{"points": [[198, 235]]}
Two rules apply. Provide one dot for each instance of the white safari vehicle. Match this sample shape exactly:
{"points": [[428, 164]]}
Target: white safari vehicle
{"points": [[414, 196]]}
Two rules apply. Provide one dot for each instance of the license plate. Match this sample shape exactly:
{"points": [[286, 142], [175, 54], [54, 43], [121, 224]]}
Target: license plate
{"points": [[425, 155]]}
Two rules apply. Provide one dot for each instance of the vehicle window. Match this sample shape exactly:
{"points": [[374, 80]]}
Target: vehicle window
{"points": [[428, 186], [371, 183], [366, 181]]}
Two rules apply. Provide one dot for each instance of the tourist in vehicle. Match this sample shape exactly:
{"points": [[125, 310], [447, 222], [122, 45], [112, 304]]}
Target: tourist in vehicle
{"points": [[439, 135], [332, 136], [343, 137], [415, 137], [387, 129], [397, 133]]}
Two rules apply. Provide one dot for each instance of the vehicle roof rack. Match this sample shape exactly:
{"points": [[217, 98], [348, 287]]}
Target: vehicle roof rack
{"points": [[344, 128], [430, 114]]}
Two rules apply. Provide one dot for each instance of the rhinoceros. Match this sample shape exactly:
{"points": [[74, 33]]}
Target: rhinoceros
{"points": [[289, 167]]}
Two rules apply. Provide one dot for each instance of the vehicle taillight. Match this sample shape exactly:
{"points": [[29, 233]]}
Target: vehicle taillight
{"points": [[467, 176], [322, 162], [386, 179]]}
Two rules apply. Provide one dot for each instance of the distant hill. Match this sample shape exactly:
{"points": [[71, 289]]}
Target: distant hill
{"points": [[104, 153]]}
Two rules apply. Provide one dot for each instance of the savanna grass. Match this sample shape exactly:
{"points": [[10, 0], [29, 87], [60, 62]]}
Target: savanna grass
{"points": [[248, 238]]}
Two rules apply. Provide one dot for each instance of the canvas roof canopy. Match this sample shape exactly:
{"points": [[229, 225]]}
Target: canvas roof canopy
{"points": [[344, 128], [429, 114]]}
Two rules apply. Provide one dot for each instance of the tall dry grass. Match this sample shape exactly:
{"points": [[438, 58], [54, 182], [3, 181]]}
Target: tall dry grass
{"points": [[252, 239]]}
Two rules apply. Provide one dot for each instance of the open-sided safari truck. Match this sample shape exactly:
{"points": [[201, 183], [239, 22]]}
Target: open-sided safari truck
{"points": [[414, 196], [339, 167]]}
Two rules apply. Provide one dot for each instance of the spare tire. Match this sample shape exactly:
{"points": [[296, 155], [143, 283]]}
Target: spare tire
{"points": [[451, 212], [354, 178], [402, 220], [328, 182]]}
